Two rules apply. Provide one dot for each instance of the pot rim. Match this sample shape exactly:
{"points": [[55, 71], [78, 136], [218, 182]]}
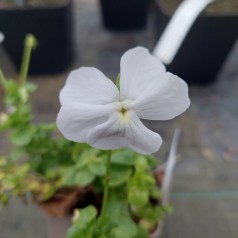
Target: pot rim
{"points": [[204, 16], [35, 8], [168, 169]]}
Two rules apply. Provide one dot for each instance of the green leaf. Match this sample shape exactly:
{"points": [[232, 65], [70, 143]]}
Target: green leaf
{"points": [[81, 161], [126, 228], [118, 212], [68, 175], [22, 136], [141, 164], [124, 157], [31, 87], [82, 155], [78, 149], [4, 121], [3, 200], [142, 233], [138, 196], [23, 94], [116, 207], [83, 224], [16, 154], [86, 215], [97, 166], [119, 175], [150, 215], [84, 177]]}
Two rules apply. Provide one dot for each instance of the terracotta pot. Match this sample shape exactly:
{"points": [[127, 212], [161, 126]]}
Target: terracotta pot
{"points": [[60, 207]]}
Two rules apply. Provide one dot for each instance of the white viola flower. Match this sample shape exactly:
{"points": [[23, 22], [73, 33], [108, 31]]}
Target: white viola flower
{"points": [[94, 111]]}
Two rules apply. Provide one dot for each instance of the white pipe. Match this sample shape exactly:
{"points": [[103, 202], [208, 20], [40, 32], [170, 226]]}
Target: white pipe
{"points": [[1, 37], [177, 29]]}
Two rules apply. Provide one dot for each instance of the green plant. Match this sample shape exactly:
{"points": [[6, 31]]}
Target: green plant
{"points": [[41, 162]]}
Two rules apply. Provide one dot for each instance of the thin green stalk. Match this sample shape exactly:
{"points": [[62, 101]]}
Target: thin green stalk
{"points": [[118, 82], [3, 80], [106, 187], [30, 43]]}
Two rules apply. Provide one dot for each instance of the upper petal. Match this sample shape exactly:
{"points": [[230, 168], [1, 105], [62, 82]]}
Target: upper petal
{"points": [[138, 71], [115, 134], [88, 85], [163, 101]]}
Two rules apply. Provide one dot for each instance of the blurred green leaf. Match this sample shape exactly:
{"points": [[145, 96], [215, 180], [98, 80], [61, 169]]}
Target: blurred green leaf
{"points": [[119, 175], [30, 87], [118, 212], [24, 96], [78, 150], [83, 177], [126, 228], [137, 195], [16, 154], [86, 215], [83, 223], [22, 136], [97, 166], [124, 157]]}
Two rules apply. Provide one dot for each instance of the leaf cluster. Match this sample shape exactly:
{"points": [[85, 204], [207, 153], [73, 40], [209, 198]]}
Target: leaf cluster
{"points": [[19, 181], [38, 146], [133, 208]]}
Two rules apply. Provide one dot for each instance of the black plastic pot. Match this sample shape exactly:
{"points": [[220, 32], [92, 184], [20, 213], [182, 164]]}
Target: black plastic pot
{"points": [[52, 27], [204, 49], [123, 15]]}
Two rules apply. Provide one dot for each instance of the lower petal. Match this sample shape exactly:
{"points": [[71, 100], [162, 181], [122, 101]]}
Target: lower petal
{"points": [[140, 138], [115, 134], [108, 135]]}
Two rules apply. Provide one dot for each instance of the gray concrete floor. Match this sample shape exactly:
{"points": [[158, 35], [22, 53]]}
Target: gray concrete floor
{"points": [[205, 188]]}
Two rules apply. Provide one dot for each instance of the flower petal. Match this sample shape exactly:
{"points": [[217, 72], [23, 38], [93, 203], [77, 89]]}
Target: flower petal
{"points": [[115, 134], [88, 85], [141, 139], [107, 135], [163, 102], [139, 70], [75, 121]]}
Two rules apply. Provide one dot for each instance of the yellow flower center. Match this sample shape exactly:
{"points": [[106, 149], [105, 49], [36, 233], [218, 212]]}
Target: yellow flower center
{"points": [[124, 115], [123, 110]]}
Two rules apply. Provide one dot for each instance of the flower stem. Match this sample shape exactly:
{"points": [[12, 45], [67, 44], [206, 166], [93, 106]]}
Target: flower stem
{"points": [[30, 43], [3, 80], [106, 188]]}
